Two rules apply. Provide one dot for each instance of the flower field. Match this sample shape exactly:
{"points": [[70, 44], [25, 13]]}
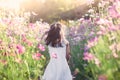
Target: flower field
{"points": [[94, 41], [97, 42], [21, 52]]}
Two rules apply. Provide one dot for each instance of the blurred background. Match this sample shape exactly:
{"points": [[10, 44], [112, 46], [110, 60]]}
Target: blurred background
{"points": [[49, 10]]}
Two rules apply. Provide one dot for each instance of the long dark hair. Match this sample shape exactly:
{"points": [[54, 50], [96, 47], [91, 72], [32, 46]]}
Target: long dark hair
{"points": [[54, 36]]}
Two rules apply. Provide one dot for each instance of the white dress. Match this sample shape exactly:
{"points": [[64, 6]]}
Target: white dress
{"points": [[58, 68]]}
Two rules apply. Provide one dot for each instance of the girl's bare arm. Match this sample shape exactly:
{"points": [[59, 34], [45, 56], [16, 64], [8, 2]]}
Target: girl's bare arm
{"points": [[68, 54]]}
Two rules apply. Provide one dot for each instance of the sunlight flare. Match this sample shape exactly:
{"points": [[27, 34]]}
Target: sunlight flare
{"points": [[11, 4]]}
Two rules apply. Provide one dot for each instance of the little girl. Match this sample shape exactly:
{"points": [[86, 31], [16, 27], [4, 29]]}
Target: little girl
{"points": [[59, 51]]}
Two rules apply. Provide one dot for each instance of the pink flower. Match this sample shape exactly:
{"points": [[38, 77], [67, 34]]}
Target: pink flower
{"points": [[88, 56], [113, 12], [100, 33], [41, 47], [31, 25], [112, 27], [81, 20], [90, 45], [29, 42], [0, 41], [115, 55], [20, 48], [102, 21], [6, 20], [102, 77], [97, 62], [4, 62], [54, 55], [102, 30], [26, 40], [36, 56], [92, 42], [24, 37]]}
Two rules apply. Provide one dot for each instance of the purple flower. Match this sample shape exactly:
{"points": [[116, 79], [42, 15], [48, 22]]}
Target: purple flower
{"points": [[86, 49], [91, 34]]}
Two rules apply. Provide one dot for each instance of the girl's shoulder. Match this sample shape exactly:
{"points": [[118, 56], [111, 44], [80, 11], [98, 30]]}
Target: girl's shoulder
{"points": [[65, 41]]}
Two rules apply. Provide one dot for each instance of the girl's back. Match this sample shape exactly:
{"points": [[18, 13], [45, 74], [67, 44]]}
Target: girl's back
{"points": [[57, 52], [57, 68]]}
